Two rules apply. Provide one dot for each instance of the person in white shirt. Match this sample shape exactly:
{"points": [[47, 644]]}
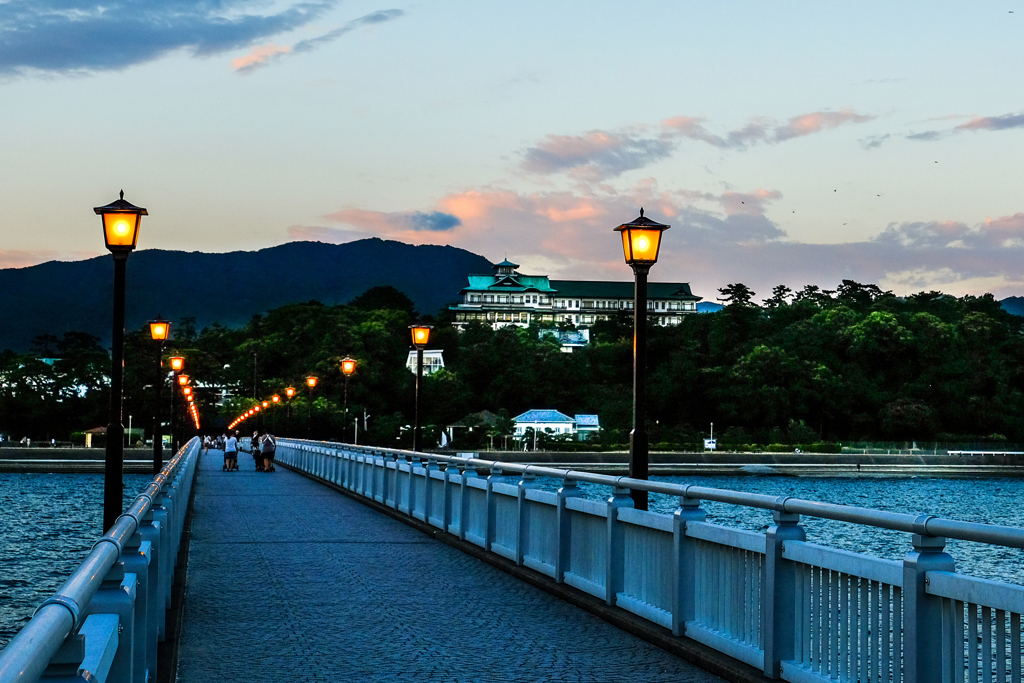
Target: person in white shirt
{"points": [[231, 453]]}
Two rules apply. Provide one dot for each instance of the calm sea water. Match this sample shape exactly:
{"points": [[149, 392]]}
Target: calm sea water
{"points": [[48, 523]]}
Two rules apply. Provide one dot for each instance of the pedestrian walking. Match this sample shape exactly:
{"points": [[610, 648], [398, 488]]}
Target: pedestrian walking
{"points": [[268, 446], [254, 450], [230, 453]]}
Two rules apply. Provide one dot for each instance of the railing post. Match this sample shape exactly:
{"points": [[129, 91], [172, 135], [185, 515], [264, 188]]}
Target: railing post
{"points": [[391, 480], [615, 570], [117, 596], [152, 530], [685, 560], [922, 613], [529, 481], [470, 471], [428, 492], [563, 520], [779, 591], [450, 470], [492, 506], [137, 559]]}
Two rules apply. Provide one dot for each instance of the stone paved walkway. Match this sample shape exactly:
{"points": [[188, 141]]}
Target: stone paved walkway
{"points": [[291, 581]]}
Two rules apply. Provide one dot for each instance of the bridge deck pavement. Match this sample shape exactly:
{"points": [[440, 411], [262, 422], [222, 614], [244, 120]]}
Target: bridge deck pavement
{"points": [[289, 580]]}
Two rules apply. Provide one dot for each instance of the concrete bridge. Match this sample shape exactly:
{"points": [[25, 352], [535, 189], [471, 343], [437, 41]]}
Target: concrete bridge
{"points": [[354, 563]]}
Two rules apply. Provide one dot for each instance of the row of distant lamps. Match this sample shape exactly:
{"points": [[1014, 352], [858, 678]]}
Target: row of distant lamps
{"points": [[641, 245]]}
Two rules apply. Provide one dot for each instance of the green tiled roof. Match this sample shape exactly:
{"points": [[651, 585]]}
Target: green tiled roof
{"points": [[538, 283]]}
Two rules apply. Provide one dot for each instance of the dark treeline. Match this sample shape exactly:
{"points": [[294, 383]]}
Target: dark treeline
{"points": [[853, 364]]}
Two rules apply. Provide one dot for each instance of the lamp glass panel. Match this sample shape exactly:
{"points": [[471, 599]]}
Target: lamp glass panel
{"points": [[311, 381], [177, 363], [348, 366], [642, 245], [121, 230], [158, 331], [420, 336]]}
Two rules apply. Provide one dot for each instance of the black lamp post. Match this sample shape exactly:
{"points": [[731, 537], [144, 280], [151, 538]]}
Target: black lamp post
{"points": [[311, 383], [641, 242], [183, 381], [290, 393], [121, 221], [348, 366], [420, 338], [275, 399], [159, 330]]}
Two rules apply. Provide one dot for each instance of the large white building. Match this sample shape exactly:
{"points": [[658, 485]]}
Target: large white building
{"points": [[510, 298]]}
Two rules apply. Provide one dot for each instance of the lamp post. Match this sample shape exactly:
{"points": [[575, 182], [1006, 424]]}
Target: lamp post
{"points": [[420, 338], [121, 221], [290, 393], [641, 242], [177, 365], [183, 381], [275, 399], [311, 383], [159, 330], [348, 366]]}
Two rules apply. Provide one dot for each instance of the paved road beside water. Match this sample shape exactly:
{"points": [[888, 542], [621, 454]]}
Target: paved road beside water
{"points": [[292, 581]]}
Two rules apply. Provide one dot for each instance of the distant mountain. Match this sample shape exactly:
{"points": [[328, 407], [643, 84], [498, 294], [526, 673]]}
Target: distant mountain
{"points": [[1013, 304], [708, 307], [58, 297]]}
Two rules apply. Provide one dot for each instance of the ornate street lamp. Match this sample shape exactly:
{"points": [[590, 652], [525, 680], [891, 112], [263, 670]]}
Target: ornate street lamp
{"points": [[290, 393], [420, 338], [177, 365], [159, 330], [348, 367], [311, 383], [121, 233], [641, 242]]}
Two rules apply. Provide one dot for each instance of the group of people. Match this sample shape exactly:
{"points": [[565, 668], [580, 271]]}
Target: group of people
{"points": [[263, 447]]}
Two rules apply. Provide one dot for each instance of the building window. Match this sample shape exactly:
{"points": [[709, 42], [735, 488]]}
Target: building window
{"points": [[474, 299], [489, 299], [545, 300], [502, 299], [588, 304], [588, 319], [560, 303]]}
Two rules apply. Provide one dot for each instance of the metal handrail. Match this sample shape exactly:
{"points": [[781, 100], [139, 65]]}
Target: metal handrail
{"points": [[925, 525], [30, 651]]}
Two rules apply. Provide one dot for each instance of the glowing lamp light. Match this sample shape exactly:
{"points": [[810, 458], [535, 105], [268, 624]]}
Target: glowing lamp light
{"points": [[257, 409], [121, 221], [420, 335], [311, 381], [177, 363], [289, 392], [275, 398], [265, 404], [190, 397], [187, 391], [183, 380], [641, 240], [348, 365], [159, 329]]}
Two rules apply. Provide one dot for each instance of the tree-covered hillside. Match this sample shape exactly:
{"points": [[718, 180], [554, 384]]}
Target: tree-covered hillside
{"points": [[856, 363]]}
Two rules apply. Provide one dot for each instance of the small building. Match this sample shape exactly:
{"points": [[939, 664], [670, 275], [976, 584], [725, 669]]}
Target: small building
{"points": [[433, 360], [587, 427], [546, 421]]}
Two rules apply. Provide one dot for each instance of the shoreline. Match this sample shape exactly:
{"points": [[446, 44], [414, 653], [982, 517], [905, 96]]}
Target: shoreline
{"points": [[139, 461]]}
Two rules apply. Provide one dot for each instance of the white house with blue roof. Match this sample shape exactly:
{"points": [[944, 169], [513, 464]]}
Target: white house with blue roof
{"points": [[546, 421]]}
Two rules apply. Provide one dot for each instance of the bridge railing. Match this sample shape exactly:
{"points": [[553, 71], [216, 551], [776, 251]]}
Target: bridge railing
{"points": [[104, 623], [798, 611]]}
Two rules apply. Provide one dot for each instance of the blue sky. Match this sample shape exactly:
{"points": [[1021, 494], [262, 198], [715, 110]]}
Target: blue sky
{"points": [[786, 143]]}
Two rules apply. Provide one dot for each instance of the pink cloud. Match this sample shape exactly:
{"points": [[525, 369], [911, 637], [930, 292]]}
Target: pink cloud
{"points": [[993, 122], [815, 122], [601, 154], [260, 56]]}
